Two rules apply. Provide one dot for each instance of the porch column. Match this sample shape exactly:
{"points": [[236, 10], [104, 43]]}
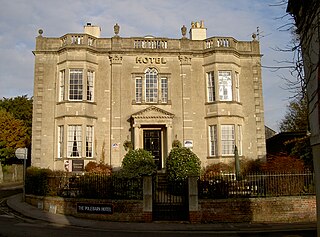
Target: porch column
{"points": [[136, 141], [169, 137]]}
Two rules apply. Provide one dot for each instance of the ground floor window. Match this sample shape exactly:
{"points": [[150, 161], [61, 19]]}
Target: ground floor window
{"points": [[74, 141], [223, 139], [79, 141]]}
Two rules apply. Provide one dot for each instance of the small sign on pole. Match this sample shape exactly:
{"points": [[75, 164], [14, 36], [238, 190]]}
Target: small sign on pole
{"points": [[22, 153]]}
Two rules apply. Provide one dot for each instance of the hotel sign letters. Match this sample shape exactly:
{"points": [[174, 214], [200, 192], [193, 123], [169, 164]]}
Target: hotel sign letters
{"points": [[151, 60]]}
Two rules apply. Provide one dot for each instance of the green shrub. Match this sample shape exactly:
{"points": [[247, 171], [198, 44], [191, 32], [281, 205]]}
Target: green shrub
{"points": [[181, 163], [138, 163], [37, 181]]}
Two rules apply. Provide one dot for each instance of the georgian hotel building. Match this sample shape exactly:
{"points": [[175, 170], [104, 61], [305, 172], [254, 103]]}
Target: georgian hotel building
{"points": [[93, 94]]}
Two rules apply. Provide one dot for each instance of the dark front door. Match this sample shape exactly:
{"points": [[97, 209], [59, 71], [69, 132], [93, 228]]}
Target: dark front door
{"points": [[152, 143]]}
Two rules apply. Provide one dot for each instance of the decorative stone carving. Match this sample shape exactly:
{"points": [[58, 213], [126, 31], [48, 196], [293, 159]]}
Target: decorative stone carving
{"points": [[185, 60], [115, 59], [152, 112]]}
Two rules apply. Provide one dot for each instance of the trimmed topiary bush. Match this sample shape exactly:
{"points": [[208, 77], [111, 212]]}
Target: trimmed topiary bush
{"points": [[138, 163], [181, 163]]}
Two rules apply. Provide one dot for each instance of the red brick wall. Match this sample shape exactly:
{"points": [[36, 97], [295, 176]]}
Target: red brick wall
{"points": [[123, 210], [276, 209]]}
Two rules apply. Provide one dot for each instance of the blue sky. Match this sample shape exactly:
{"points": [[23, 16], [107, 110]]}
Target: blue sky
{"points": [[20, 21]]}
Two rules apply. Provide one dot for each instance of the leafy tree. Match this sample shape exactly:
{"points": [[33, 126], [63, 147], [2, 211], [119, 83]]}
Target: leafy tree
{"points": [[296, 118], [138, 163], [13, 135], [21, 108]]}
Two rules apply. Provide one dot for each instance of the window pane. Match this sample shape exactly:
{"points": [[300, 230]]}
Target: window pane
{"points": [[89, 141], [237, 85], [164, 90], [74, 141], [60, 141], [240, 140], [151, 85], [213, 140], [225, 86], [138, 89], [61, 85], [210, 87], [75, 84], [90, 81], [227, 139]]}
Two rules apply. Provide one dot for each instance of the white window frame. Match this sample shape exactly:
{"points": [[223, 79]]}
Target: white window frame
{"points": [[225, 85], [75, 89], [62, 80], [213, 141], [90, 85], [164, 89], [237, 86], [138, 89], [89, 141], [74, 141], [239, 140], [211, 94], [60, 141], [151, 85], [227, 139]]}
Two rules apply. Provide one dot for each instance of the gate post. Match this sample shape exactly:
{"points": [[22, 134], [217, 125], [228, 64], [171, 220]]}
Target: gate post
{"points": [[194, 214], [147, 198]]}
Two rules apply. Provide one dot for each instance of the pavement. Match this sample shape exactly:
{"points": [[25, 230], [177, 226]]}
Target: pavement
{"points": [[16, 203]]}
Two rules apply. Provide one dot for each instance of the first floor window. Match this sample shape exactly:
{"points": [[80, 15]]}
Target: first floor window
{"points": [[151, 85], [225, 85], [61, 85], [237, 86], [90, 80], [76, 84], [210, 87], [60, 141], [164, 90], [138, 89], [89, 141], [74, 141], [227, 139], [213, 140]]}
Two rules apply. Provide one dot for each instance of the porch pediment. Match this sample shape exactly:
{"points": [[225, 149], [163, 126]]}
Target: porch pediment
{"points": [[152, 112]]}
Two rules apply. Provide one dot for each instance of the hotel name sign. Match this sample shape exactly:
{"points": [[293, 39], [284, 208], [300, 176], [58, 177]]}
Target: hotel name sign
{"points": [[151, 60]]}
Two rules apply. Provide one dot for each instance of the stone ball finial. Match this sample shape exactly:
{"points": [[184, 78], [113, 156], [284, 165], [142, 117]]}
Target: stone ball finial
{"points": [[254, 36], [40, 31], [116, 29]]}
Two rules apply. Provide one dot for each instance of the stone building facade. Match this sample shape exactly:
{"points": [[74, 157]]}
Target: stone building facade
{"points": [[93, 94]]}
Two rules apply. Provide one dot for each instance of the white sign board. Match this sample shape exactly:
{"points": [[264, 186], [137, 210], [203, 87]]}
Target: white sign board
{"points": [[21, 153], [188, 143]]}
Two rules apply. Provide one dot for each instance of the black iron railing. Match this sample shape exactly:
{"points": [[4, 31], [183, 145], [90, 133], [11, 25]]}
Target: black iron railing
{"points": [[96, 186], [256, 185]]}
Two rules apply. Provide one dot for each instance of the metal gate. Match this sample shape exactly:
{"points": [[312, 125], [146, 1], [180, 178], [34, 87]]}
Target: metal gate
{"points": [[170, 201]]}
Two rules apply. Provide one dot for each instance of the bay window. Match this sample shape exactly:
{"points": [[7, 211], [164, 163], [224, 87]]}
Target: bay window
{"points": [[74, 142], [225, 85]]}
